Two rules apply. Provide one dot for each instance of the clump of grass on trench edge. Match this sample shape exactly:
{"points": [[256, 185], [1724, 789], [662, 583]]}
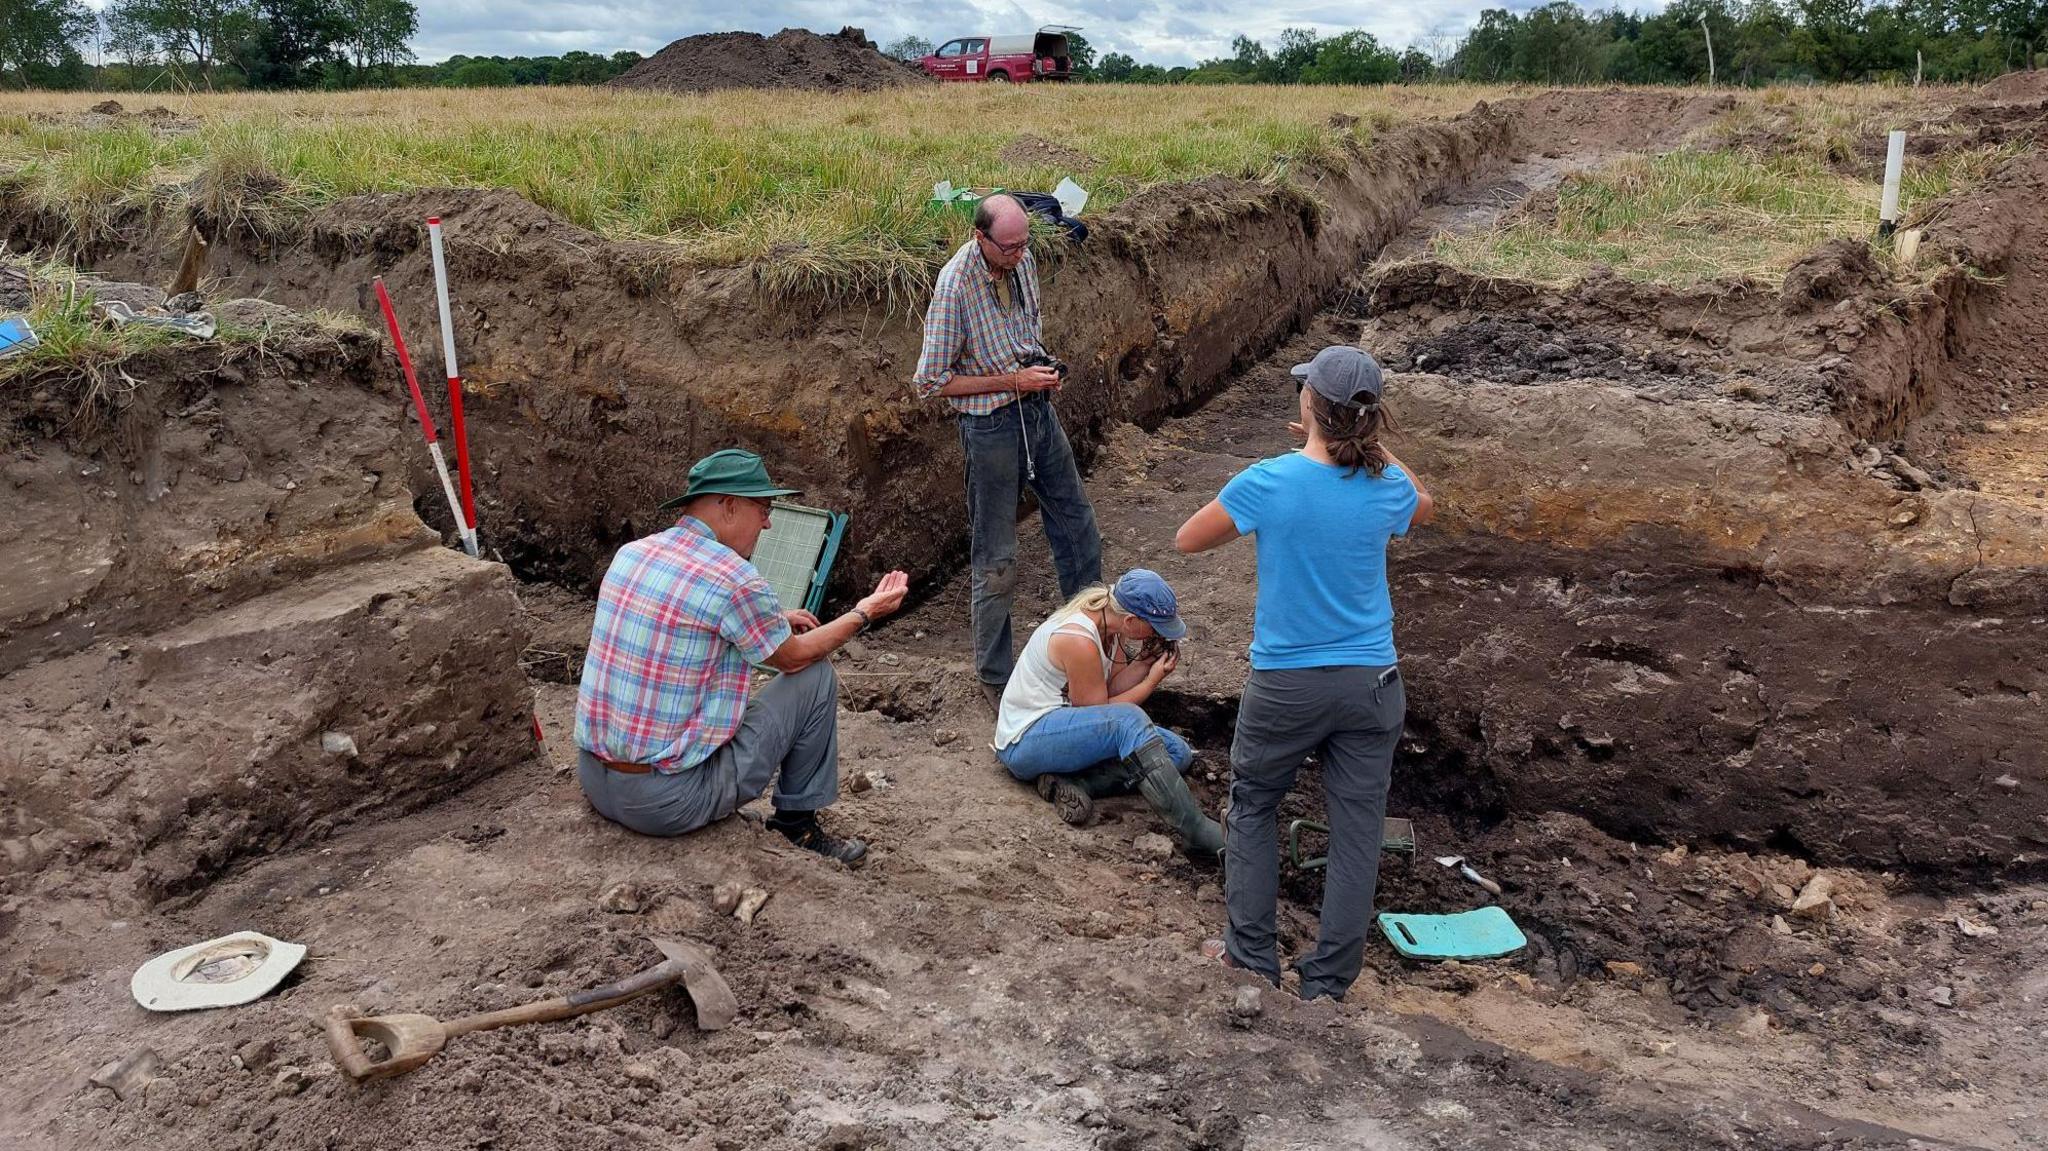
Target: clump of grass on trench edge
{"points": [[76, 354], [1687, 217], [81, 356]]}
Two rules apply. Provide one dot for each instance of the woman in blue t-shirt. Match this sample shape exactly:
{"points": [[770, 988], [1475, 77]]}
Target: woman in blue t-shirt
{"points": [[1324, 675]]}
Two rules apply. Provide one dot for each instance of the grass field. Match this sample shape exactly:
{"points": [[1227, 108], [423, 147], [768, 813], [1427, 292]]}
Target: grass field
{"points": [[832, 187], [1782, 172], [827, 192]]}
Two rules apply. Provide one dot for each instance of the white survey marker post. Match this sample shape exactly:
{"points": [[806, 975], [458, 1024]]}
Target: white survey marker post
{"points": [[1894, 168]]}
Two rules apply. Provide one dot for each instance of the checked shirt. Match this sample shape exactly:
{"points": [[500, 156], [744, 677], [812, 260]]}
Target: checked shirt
{"points": [[968, 330], [680, 617]]}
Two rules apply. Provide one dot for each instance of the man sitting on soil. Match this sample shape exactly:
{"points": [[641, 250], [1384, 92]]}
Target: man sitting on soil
{"points": [[668, 739], [984, 352]]}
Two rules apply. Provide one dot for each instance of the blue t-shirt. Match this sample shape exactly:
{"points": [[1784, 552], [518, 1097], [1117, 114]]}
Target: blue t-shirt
{"points": [[1321, 532]]}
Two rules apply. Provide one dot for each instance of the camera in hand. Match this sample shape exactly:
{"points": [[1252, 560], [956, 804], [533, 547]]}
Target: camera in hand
{"points": [[1041, 360], [1157, 646]]}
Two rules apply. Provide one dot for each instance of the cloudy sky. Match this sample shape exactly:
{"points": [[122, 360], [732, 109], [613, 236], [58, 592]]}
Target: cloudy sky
{"points": [[1180, 32]]}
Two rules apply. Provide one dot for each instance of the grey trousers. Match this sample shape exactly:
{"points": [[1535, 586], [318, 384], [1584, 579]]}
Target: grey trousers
{"points": [[1353, 715], [788, 736]]}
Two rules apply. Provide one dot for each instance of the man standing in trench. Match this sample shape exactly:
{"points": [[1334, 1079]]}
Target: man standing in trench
{"points": [[985, 353], [668, 740]]}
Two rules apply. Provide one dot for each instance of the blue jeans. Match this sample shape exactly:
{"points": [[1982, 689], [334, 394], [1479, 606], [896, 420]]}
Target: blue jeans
{"points": [[998, 471], [1074, 739]]}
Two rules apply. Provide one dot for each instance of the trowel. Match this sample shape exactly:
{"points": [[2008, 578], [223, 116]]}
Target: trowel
{"points": [[1465, 869]]}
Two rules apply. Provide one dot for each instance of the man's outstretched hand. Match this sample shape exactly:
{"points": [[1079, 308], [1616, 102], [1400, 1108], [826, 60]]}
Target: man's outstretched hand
{"points": [[887, 597]]}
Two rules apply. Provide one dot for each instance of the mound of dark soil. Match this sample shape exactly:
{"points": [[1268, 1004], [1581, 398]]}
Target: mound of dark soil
{"points": [[2018, 86], [1528, 349], [845, 60]]}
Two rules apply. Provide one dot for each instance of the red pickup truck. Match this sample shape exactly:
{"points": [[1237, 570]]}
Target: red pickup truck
{"points": [[1004, 59]]}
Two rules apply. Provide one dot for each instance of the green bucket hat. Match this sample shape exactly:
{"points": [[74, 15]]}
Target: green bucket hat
{"points": [[732, 472]]}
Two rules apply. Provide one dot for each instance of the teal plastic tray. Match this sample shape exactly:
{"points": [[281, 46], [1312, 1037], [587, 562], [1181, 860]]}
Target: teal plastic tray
{"points": [[1486, 933]]}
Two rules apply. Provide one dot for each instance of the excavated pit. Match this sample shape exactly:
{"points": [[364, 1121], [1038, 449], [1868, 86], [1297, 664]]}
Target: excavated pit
{"points": [[1652, 652], [223, 630]]}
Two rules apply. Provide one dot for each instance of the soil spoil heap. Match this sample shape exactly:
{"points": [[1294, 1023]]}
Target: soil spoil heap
{"points": [[2018, 87], [843, 61]]}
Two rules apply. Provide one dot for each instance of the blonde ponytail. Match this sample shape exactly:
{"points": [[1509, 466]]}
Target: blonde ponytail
{"points": [[1095, 598]]}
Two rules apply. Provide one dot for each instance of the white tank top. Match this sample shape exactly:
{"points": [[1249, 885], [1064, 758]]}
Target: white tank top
{"points": [[1038, 686]]}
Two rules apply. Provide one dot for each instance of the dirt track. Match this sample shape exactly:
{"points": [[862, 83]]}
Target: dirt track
{"points": [[1582, 637]]}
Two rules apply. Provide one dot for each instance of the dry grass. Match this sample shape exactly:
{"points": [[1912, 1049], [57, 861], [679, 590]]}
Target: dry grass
{"points": [[1785, 170], [828, 193], [819, 189]]}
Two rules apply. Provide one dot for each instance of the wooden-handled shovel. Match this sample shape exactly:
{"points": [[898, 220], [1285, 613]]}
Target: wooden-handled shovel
{"points": [[411, 1040]]}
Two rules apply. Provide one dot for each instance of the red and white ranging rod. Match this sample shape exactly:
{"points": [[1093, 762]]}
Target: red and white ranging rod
{"points": [[419, 403], [454, 385]]}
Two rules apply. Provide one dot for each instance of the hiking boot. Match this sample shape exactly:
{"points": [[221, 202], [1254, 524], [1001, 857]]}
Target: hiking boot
{"points": [[1168, 795], [802, 829], [1070, 799], [992, 694]]}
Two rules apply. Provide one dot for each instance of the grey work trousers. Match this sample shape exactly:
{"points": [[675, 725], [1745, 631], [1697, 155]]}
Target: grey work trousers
{"points": [[788, 736], [1353, 716]]}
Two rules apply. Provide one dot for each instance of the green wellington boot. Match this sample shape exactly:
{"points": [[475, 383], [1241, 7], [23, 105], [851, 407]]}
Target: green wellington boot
{"points": [[1073, 796], [1164, 789]]}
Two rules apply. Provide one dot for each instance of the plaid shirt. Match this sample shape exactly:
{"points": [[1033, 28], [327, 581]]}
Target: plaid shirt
{"points": [[679, 618], [968, 331]]}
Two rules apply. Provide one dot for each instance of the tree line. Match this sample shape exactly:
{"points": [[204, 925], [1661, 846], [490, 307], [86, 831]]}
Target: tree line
{"points": [[227, 45], [282, 44], [1753, 42], [1760, 42]]}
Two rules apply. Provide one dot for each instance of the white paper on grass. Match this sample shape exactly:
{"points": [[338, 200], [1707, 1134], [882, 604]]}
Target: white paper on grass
{"points": [[942, 191], [1072, 197]]}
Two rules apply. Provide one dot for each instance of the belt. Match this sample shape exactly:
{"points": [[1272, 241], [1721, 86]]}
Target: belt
{"points": [[626, 768]]}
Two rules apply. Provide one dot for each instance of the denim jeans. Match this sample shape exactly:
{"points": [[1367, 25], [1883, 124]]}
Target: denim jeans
{"points": [[788, 736], [999, 468], [1074, 739], [1353, 715]]}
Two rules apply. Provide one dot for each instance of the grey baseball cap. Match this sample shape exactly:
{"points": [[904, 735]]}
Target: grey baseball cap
{"points": [[1345, 375]]}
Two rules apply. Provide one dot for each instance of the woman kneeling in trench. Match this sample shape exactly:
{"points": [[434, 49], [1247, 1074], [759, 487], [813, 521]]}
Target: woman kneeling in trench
{"points": [[1070, 718]]}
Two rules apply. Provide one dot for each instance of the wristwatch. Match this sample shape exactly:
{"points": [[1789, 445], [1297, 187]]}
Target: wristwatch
{"points": [[866, 621]]}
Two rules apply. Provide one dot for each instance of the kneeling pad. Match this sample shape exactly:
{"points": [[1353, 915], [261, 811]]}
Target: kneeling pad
{"points": [[1486, 933]]}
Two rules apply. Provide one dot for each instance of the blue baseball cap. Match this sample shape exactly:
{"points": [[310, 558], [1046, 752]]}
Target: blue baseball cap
{"points": [[1142, 593], [1343, 375]]}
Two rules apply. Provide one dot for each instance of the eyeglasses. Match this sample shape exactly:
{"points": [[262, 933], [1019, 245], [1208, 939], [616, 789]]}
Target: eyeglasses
{"points": [[1007, 249]]}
